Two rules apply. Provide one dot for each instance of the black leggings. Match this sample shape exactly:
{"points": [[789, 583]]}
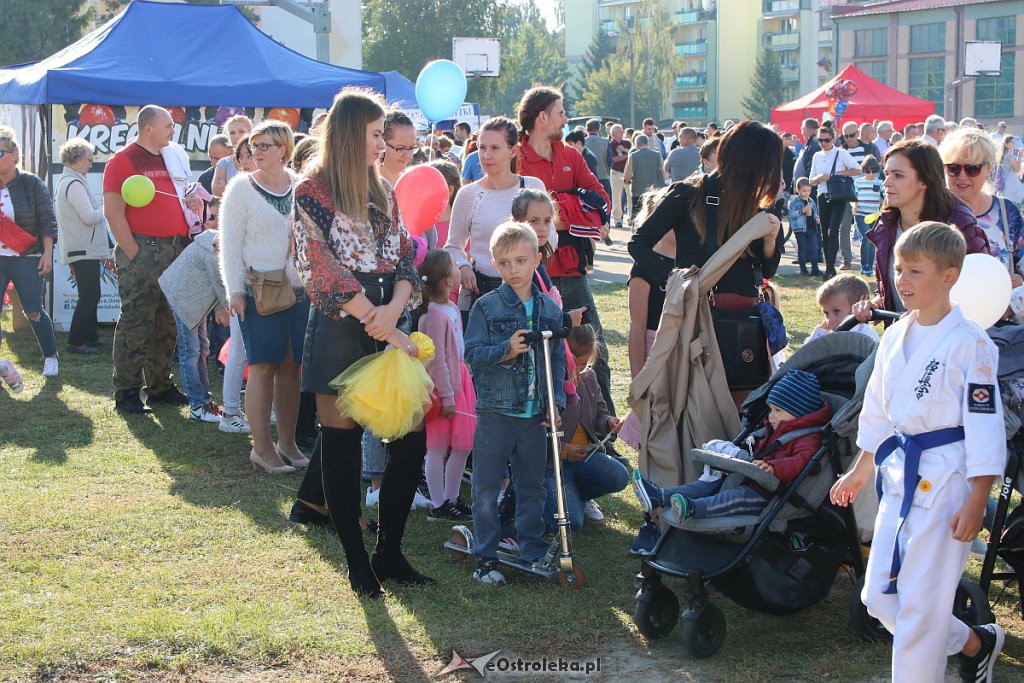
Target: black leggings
{"points": [[83, 323], [831, 212]]}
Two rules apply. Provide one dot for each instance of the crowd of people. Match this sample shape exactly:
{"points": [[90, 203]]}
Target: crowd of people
{"points": [[293, 249]]}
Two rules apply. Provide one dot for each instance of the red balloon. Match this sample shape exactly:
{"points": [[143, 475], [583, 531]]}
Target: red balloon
{"points": [[289, 116], [850, 87], [422, 196], [96, 114]]}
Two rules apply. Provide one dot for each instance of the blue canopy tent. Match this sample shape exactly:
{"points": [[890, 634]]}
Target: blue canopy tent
{"points": [[180, 55], [183, 55]]}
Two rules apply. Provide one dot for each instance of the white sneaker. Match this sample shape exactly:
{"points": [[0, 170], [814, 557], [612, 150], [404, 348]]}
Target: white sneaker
{"points": [[50, 367], [420, 502], [373, 497], [487, 573], [592, 512], [203, 415], [233, 424]]}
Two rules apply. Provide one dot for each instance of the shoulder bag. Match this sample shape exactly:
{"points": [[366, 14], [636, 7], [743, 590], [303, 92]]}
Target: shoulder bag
{"points": [[271, 289], [840, 187], [14, 236], [742, 340]]}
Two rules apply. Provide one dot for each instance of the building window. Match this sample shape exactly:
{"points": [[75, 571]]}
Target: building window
{"points": [[928, 38], [872, 42], [993, 95], [928, 79], [877, 70], [1001, 29]]}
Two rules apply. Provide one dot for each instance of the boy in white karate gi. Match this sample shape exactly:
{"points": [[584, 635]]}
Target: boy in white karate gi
{"points": [[932, 424]]}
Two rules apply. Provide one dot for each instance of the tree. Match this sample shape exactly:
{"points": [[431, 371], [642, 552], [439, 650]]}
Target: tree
{"points": [[766, 87], [598, 53], [535, 56], [33, 29], [606, 90]]}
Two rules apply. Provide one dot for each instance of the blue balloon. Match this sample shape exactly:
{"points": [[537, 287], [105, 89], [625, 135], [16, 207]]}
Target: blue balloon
{"points": [[440, 89]]}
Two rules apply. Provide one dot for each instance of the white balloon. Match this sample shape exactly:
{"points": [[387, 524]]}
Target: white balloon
{"points": [[983, 290]]}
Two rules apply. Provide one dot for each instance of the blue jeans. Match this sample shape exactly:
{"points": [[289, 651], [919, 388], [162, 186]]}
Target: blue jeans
{"points": [[192, 356], [808, 247], [709, 501], [867, 249], [28, 283], [499, 440], [597, 476]]}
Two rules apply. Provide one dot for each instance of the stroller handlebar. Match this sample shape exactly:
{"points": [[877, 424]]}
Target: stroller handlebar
{"points": [[535, 336], [877, 314]]}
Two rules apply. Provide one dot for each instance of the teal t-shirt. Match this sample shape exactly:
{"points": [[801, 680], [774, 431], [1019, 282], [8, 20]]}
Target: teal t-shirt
{"points": [[531, 395]]}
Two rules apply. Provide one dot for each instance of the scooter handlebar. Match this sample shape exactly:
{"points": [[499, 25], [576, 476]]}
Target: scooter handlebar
{"points": [[535, 336], [877, 314]]}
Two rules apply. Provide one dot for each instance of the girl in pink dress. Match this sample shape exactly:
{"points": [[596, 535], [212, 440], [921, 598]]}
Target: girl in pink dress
{"points": [[451, 420]]}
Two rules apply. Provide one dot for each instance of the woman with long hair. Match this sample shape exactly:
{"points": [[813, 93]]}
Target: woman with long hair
{"points": [[915, 191], [482, 206], [1008, 171], [355, 258], [744, 186]]}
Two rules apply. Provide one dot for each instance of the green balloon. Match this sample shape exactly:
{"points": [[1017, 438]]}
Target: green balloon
{"points": [[138, 191]]}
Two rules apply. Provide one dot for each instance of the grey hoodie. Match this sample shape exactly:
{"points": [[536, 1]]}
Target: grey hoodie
{"points": [[192, 284]]}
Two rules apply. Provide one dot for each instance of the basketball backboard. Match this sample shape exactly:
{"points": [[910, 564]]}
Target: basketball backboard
{"points": [[982, 58], [477, 56]]}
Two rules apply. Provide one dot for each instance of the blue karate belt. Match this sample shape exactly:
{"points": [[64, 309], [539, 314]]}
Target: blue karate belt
{"points": [[913, 446]]}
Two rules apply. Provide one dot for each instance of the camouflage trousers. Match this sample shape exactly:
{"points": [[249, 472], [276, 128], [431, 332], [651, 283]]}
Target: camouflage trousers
{"points": [[145, 337]]}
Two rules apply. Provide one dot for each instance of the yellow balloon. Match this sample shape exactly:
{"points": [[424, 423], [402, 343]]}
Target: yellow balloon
{"points": [[138, 191]]}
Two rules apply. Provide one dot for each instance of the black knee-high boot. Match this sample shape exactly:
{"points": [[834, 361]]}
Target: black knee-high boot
{"points": [[403, 472], [340, 462]]}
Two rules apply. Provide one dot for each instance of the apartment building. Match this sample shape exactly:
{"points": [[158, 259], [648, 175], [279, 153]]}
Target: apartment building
{"points": [[799, 32], [917, 46], [715, 44]]}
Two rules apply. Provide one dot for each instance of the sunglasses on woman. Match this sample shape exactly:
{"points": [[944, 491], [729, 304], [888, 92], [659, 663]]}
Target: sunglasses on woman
{"points": [[822, 140], [972, 170]]}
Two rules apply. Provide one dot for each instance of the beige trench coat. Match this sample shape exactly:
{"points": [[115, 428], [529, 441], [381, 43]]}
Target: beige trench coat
{"points": [[681, 396]]}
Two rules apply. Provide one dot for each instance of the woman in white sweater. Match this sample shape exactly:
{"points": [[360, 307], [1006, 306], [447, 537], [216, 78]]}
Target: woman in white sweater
{"points": [[482, 206], [83, 240], [255, 222]]}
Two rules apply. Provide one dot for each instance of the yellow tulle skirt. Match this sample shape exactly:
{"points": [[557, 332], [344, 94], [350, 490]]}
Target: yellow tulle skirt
{"points": [[388, 392]]}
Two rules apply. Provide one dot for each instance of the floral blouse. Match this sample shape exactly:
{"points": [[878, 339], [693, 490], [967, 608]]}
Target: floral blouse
{"points": [[330, 247]]}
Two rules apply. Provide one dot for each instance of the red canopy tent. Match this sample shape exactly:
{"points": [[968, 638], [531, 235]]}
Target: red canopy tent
{"points": [[872, 100]]}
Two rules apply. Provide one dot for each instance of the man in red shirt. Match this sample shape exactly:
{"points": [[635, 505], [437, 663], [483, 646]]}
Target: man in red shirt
{"points": [[560, 167], [149, 238]]}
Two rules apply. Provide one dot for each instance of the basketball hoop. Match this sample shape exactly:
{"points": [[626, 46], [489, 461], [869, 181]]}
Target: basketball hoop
{"points": [[478, 57]]}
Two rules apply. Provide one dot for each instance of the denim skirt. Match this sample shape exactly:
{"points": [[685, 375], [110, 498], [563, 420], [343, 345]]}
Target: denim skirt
{"points": [[267, 337]]}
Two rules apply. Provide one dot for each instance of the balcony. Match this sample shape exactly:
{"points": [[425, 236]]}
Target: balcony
{"points": [[610, 26], [697, 47], [790, 73], [691, 81], [825, 36], [690, 110], [696, 16], [782, 40], [781, 8]]}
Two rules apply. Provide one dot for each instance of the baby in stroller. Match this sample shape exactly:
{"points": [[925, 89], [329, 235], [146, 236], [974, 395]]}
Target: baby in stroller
{"points": [[795, 403]]}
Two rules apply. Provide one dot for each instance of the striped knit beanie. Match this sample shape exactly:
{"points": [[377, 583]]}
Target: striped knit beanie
{"points": [[798, 393]]}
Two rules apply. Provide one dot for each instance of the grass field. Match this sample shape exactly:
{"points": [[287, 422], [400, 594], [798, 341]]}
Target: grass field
{"points": [[148, 549]]}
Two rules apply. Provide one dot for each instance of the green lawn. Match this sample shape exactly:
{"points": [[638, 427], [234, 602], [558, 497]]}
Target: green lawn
{"points": [[148, 549]]}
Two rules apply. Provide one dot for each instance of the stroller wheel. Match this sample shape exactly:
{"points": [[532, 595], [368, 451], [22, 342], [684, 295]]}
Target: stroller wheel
{"points": [[865, 626], [459, 538], [971, 604], [703, 631], [656, 613]]}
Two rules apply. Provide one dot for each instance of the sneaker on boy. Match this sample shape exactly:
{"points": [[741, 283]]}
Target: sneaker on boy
{"points": [[487, 573], [646, 538], [203, 414], [446, 512], [980, 667]]}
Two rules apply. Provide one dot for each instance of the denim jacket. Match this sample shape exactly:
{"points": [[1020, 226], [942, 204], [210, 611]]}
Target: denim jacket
{"points": [[797, 219], [503, 387]]}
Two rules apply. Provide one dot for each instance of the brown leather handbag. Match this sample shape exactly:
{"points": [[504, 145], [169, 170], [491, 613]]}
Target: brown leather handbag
{"points": [[271, 290]]}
